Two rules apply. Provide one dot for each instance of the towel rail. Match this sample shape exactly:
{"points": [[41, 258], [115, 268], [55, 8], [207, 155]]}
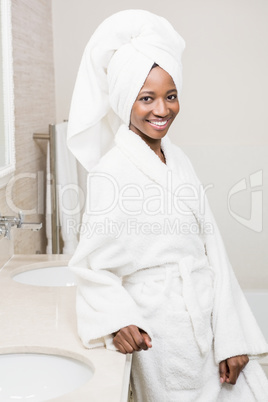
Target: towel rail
{"points": [[55, 224]]}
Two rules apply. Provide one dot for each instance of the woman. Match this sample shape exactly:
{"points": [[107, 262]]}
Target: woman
{"points": [[153, 276]]}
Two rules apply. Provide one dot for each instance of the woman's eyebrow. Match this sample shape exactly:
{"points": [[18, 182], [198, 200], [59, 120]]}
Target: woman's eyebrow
{"points": [[172, 90], [153, 93], [146, 92]]}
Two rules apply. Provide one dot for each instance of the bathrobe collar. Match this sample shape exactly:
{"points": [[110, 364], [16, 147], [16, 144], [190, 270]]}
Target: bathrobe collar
{"points": [[168, 175], [142, 155]]}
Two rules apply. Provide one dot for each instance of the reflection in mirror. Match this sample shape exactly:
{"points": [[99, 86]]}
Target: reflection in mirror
{"points": [[7, 148]]}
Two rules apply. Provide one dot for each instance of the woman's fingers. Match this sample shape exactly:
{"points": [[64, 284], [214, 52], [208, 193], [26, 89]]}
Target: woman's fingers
{"points": [[236, 365], [146, 338], [123, 346], [141, 338], [130, 339], [231, 368], [132, 335], [233, 371], [223, 371]]}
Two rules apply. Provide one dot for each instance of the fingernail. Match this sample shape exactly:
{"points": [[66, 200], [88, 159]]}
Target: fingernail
{"points": [[221, 380]]}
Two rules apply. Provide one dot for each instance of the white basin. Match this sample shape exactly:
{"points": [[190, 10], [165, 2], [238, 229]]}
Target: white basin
{"points": [[40, 377], [49, 276]]}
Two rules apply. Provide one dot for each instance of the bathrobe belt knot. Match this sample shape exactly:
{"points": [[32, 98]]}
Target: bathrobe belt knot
{"points": [[183, 269]]}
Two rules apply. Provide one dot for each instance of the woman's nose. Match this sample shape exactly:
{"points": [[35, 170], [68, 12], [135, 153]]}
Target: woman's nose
{"points": [[160, 108]]}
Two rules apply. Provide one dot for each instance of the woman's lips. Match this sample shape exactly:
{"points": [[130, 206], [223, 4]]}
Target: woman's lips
{"points": [[159, 124]]}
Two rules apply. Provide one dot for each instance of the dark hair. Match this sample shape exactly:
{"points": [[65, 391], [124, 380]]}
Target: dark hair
{"points": [[154, 65]]}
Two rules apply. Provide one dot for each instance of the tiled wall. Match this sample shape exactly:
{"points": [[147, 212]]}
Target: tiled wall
{"points": [[34, 110]]}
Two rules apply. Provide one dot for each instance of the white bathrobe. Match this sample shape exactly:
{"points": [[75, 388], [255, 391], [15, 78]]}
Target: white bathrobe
{"points": [[151, 255]]}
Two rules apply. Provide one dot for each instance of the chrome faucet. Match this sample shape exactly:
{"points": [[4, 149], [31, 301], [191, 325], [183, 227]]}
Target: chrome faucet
{"points": [[7, 222]]}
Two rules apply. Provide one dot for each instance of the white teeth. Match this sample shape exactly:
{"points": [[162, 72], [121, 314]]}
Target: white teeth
{"points": [[158, 123]]}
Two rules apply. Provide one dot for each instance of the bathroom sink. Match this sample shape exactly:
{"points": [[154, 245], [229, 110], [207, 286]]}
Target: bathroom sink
{"points": [[49, 276], [40, 377]]}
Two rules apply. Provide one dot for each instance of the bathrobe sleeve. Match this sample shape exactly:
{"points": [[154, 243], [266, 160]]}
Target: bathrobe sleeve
{"points": [[103, 306], [235, 329]]}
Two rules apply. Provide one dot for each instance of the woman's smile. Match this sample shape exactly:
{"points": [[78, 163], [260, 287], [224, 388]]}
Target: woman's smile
{"points": [[159, 124]]}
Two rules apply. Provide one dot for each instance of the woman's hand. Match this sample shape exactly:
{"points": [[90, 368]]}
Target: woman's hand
{"points": [[231, 368], [130, 339]]}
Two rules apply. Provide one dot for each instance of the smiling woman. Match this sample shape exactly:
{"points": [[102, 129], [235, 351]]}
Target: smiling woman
{"points": [[7, 151], [169, 297], [155, 109]]}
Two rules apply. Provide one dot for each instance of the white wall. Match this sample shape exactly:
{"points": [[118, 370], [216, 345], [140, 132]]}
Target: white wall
{"points": [[223, 120]]}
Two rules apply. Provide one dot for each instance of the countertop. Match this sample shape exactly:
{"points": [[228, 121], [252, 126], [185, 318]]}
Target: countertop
{"points": [[37, 319]]}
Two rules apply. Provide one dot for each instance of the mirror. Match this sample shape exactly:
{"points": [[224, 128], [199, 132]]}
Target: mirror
{"points": [[7, 142]]}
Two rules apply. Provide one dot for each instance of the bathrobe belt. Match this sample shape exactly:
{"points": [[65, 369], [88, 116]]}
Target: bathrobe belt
{"points": [[187, 265]]}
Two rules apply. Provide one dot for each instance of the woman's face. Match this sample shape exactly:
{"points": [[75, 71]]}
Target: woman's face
{"points": [[155, 107]]}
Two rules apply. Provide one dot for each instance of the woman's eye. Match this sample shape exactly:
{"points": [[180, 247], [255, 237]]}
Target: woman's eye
{"points": [[172, 97], [146, 98]]}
